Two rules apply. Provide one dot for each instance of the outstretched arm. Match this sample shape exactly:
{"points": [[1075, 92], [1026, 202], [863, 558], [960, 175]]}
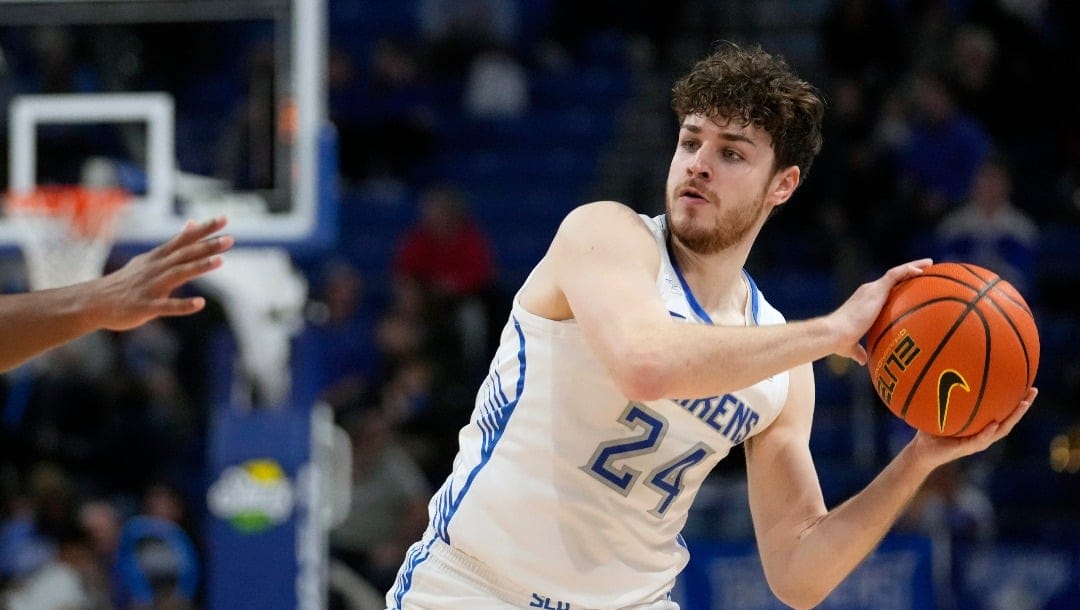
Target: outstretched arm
{"points": [[806, 550], [601, 270], [33, 322]]}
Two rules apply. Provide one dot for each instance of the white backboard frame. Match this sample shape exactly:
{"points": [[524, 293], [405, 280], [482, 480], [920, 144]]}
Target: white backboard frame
{"points": [[147, 217], [154, 218]]}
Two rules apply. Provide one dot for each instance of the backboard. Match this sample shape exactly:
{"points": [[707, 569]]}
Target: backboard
{"points": [[198, 107]]}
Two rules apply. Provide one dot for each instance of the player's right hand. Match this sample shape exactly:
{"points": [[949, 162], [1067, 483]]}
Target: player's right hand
{"points": [[854, 317]]}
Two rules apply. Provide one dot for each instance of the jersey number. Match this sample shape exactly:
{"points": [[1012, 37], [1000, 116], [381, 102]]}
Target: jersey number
{"points": [[666, 479]]}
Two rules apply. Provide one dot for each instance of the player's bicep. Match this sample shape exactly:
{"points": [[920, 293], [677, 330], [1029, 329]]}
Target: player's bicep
{"points": [[604, 261], [785, 495]]}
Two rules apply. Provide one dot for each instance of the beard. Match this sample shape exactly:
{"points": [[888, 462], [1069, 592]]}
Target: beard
{"points": [[727, 228]]}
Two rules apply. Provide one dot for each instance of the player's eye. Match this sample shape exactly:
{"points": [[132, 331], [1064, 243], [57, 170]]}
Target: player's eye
{"points": [[690, 145], [732, 155]]}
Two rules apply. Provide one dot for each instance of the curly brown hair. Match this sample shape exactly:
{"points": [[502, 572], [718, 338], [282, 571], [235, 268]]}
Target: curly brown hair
{"points": [[755, 87]]}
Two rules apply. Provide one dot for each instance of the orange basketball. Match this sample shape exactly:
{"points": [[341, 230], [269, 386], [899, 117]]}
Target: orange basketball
{"points": [[954, 349]]}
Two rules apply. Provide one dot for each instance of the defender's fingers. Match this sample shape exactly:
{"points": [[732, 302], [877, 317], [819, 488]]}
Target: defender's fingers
{"points": [[201, 249], [172, 307], [177, 275], [191, 233]]}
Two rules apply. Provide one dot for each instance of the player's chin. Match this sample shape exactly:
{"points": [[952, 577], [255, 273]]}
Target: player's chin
{"points": [[691, 220]]}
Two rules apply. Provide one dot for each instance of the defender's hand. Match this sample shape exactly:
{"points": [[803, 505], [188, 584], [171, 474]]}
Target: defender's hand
{"points": [[140, 290]]}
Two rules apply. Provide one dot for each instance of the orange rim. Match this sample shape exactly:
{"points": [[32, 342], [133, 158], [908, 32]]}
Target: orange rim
{"points": [[90, 211]]}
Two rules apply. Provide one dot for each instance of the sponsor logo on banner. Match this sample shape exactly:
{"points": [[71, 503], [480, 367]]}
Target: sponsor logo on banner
{"points": [[253, 496]]}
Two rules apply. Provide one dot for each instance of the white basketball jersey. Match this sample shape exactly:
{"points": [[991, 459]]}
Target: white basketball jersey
{"points": [[568, 489]]}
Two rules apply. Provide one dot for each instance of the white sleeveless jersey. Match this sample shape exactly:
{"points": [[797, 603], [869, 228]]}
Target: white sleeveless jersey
{"points": [[564, 486]]}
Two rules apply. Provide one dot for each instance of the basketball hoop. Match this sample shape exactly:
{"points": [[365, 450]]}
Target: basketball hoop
{"points": [[65, 232]]}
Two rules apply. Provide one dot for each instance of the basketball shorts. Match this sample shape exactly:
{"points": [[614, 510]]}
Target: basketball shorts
{"points": [[450, 580]]}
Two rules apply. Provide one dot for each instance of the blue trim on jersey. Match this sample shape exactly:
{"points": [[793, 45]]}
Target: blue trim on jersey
{"points": [[755, 297], [676, 315], [418, 553], [492, 419], [690, 298]]}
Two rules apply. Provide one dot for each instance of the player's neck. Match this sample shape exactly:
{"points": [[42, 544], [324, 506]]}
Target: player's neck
{"points": [[716, 279]]}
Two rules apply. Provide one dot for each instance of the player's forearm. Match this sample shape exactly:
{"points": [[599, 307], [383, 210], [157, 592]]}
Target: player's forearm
{"points": [[693, 361], [33, 322], [832, 546]]}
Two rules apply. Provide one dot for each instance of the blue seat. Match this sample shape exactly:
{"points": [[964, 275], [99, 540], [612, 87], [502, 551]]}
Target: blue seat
{"points": [[389, 213], [798, 294], [1058, 248], [536, 165], [553, 91]]}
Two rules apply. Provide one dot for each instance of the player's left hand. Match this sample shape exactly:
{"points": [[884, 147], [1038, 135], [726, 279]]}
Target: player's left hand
{"points": [[937, 450]]}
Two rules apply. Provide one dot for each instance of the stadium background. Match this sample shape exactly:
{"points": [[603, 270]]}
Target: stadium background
{"points": [[520, 116]]}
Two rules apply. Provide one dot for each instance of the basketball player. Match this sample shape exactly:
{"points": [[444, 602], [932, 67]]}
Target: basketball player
{"points": [[637, 354], [33, 322]]}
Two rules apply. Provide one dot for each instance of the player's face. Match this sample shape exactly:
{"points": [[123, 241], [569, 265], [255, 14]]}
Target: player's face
{"points": [[717, 184]]}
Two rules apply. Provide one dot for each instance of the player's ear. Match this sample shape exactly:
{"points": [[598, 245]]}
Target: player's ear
{"points": [[783, 184]]}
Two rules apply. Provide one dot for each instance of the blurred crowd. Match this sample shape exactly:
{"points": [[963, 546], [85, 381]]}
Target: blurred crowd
{"points": [[947, 135]]}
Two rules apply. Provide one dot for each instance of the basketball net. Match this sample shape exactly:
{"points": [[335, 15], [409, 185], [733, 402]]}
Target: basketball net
{"points": [[65, 232]]}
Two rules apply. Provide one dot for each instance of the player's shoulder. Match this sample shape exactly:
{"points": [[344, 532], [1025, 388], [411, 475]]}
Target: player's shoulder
{"points": [[603, 219], [604, 227], [601, 210]]}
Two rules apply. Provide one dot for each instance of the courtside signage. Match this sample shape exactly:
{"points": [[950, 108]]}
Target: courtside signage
{"points": [[253, 496]]}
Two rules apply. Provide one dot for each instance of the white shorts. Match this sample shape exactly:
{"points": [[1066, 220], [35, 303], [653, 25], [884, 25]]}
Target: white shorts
{"points": [[450, 580]]}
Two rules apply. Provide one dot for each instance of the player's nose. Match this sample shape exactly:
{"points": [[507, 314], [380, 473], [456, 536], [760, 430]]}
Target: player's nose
{"points": [[699, 165]]}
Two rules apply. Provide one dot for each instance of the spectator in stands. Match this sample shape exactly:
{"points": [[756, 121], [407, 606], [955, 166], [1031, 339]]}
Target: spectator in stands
{"points": [[245, 152], [386, 122], [102, 522], [59, 64], [976, 76], [861, 42], [389, 501], [945, 147], [163, 501], [58, 582], [578, 30], [496, 87], [40, 558], [950, 509], [936, 149], [421, 381], [158, 565], [408, 327], [455, 32], [851, 166], [451, 256], [989, 230], [339, 334]]}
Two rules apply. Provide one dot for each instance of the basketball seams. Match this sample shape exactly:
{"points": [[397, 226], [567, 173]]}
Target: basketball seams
{"points": [[971, 269], [979, 289], [985, 377], [872, 345], [923, 311], [1016, 332], [1019, 302], [937, 351], [975, 287]]}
